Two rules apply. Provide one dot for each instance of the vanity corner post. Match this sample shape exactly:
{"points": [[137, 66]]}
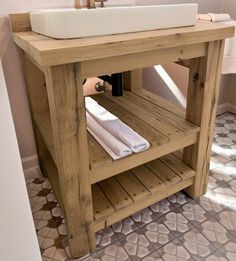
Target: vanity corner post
{"points": [[203, 90], [69, 128]]}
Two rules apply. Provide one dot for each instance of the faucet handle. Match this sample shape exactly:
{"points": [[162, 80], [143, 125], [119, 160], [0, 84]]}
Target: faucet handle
{"points": [[101, 1]]}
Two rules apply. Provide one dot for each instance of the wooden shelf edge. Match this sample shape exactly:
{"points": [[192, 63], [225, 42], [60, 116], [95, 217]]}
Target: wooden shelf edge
{"points": [[147, 201], [135, 160]]}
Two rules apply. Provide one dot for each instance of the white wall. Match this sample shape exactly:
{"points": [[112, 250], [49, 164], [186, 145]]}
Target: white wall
{"points": [[18, 239]]}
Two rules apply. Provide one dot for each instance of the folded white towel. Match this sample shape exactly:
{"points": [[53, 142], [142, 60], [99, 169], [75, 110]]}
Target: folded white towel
{"points": [[214, 17], [116, 127], [114, 147], [229, 60]]}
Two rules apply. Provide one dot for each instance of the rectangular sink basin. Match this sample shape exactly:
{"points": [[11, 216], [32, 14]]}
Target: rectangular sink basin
{"points": [[75, 23]]}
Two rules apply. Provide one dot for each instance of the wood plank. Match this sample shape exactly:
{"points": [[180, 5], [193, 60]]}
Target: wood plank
{"points": [[137, 62], [43, 122], [159, 124], [202, 100], [178, 154], [98, 157], [52, 52], [77, 4], [135, 160], [70, 139], [161, 113], [168, 176], [35, 86], [101, 206], [132, 186], [159, 195], [154, 137], [148, 178], [177, 165], [159, 101], [20, 22], [133, 80], [115, 193]]}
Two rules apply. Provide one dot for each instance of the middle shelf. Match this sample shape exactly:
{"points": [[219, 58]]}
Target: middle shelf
{"points": [[157, 120]]}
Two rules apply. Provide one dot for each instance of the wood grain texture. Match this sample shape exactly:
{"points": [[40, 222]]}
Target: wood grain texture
{"points": [[201, 110], [133, 80], [77, 4], [48, 51], [70, 139], [20, 22]]}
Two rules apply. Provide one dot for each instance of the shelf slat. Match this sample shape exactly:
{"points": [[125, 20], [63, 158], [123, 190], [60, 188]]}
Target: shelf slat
{"points": [[152, 183], [161, 113], [153, 136], [115, 193], [177, 166], [148, 117], [154, 122], [102, 207], [163, 103], [168, 176], [132, 186], [140, 187]]}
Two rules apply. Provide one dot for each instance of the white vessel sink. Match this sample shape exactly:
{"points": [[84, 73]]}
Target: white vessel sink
{"points": [[75, 23]]}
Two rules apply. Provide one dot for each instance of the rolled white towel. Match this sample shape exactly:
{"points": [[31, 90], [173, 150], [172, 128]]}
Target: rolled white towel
{"points": [[115, 126], [214, 17], [114, 147]]}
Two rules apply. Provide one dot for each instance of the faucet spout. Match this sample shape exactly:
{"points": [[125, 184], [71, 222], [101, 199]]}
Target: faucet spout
{"points": [[91, 4]]}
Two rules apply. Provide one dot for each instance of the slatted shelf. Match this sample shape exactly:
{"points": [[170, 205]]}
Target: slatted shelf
{"points": [[137, 188], [162, 124]]}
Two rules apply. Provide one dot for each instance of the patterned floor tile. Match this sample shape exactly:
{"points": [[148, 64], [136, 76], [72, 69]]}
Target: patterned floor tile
{"points": [[157, 233], [162, 207], [105, 237], [143, 217], [124, 227], [114, 252], [228, 219], [229, 251], [194, 212], [224, 195], [216, 256], [179, 199], [221, 175], [152, 257], [174, 251], [231, 168], [196, 244], [214, 232], [210, 203], [137, 245], [176, 223]]}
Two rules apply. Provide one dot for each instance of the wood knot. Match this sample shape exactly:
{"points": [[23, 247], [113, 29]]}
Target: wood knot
{"points": [[196, 77]]}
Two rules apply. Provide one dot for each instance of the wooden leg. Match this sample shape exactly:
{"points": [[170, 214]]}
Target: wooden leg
{"points": [[133, 80], [38, 101], [201, 110], [66, 101]]}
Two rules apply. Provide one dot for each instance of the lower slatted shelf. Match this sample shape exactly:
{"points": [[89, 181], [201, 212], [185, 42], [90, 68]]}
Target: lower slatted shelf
{"points": [[124, 194]]}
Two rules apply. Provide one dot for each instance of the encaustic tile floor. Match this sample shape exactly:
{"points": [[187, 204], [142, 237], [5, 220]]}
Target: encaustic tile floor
{"points": [[176, 228]]}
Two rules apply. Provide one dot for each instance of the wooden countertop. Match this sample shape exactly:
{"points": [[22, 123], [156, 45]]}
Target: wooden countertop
{"points": [[47, 51]]}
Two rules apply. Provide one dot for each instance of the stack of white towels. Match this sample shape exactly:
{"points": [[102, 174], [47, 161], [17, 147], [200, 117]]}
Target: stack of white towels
{"points": [[229, 60], [111, 133]]}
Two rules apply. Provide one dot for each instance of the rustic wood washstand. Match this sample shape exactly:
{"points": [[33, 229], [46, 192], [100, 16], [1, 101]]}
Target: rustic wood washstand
{"points": [[93, 190]]}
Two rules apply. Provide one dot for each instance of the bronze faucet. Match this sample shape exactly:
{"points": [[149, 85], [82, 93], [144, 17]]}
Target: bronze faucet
{"points": [[90, 3], [101, 1]]}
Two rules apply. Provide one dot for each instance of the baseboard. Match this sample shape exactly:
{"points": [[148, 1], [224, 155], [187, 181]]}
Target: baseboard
{"points": [[30, 167], [226, 107]]}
